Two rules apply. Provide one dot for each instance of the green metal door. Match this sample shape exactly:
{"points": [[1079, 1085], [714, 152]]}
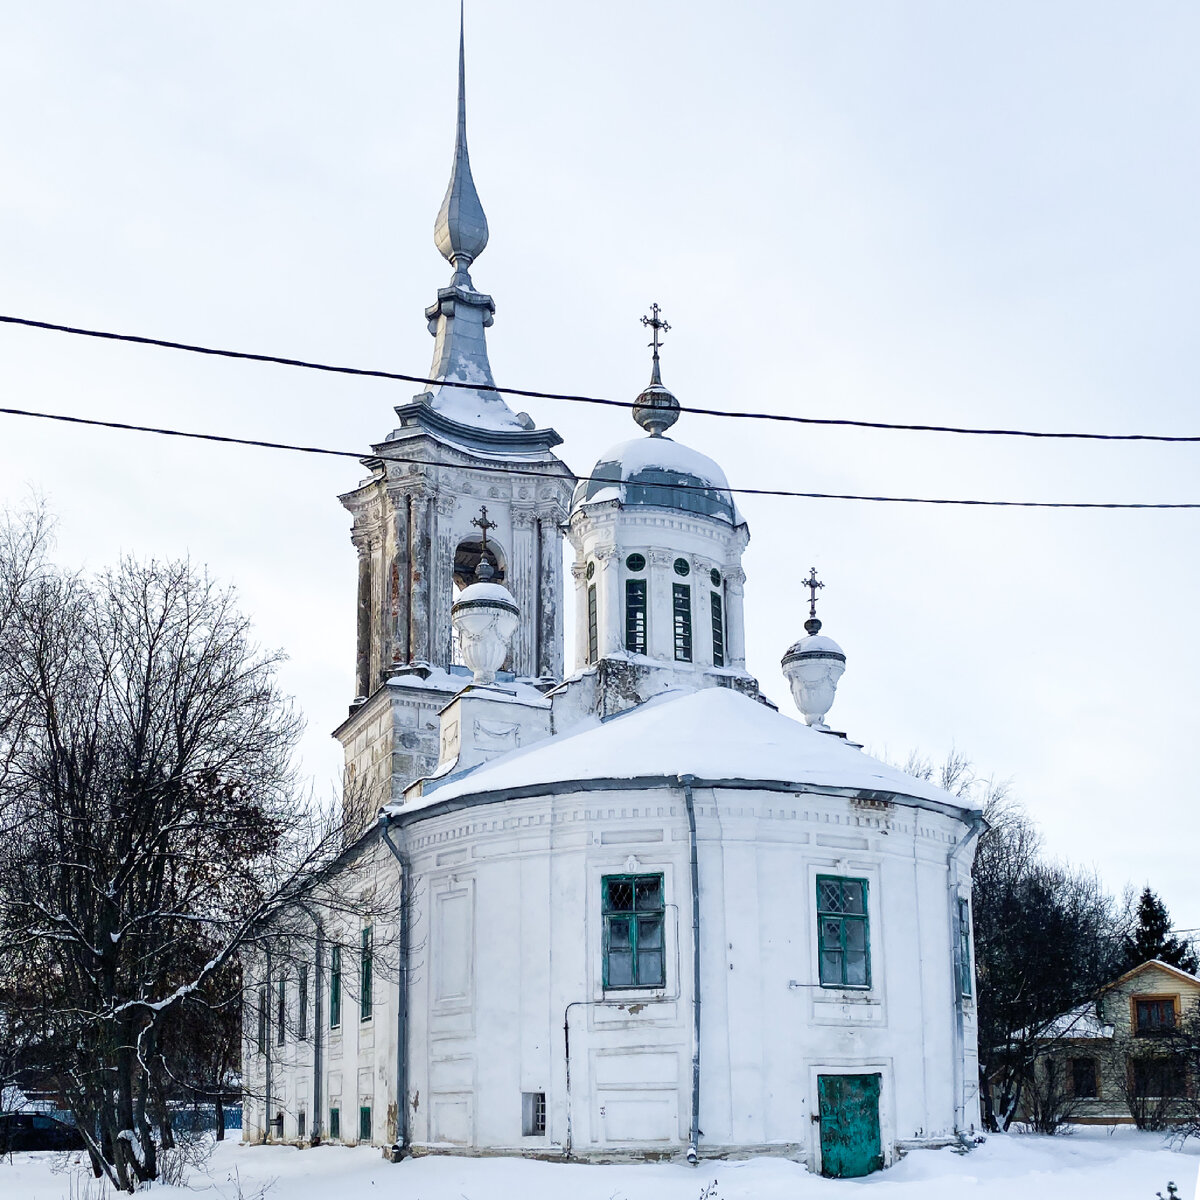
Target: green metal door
{"points": [[849, 1113]]}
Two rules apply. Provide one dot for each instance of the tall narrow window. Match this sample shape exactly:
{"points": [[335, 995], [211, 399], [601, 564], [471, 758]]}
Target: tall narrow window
{"points": [[335, 1122], [633, 930], [302, 1002], [262, 1019], [335, 987], [364, 1124], [718, 627], [301, 1123], [280, 1010], [682, 598], [593, 632], [843, 939], [965, 974], [366, 970], [635, 616]]}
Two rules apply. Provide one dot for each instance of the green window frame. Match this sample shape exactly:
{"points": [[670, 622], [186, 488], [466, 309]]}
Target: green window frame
{"points": [[280, 1010], [366, 974], [965, 974], [634, 912], [681, 598], [843, 932], [335, 987], [718, 629], [593, 630], [335, 1122], [364, 1123], [302, 1002], [635, 616], [262, 1019]]}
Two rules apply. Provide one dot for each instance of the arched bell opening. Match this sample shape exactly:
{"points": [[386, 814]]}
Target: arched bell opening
{"points": [[466, 558], [467, 554]]}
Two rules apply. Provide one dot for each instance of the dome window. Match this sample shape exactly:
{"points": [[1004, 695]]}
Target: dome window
{"points": [[715, 576], [590, 570], [682, 567], [636, 562]]}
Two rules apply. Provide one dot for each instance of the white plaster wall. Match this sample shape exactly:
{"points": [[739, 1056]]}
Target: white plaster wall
{"points": [[526, 939]]}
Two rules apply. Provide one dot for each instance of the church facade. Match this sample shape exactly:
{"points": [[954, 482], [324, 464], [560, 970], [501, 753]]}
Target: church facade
{"points": [[625, 910]]}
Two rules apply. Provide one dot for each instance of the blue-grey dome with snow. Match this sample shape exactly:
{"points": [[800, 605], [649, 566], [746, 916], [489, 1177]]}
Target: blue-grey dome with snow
{"points": [[657, 472]]}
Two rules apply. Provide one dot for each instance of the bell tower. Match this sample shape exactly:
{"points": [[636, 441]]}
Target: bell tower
{"points": [[457, 446]]}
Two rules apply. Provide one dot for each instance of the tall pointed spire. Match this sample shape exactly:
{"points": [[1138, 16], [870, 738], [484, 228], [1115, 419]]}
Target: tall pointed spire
{"points": [[461, 231]]}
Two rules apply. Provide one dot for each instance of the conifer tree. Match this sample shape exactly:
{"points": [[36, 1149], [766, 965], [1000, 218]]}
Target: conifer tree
{"points": [[1152, 937]]}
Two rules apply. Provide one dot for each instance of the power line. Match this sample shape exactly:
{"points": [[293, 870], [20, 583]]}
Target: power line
{"points": [[575, 398], [375, 455]]}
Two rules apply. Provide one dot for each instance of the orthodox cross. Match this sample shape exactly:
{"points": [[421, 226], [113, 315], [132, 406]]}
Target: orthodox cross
{"points": [[656, 323], [812, 583], [484, 569]]}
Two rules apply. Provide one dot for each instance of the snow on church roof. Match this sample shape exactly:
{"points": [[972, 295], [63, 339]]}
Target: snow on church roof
{"points": [[713, 734], [646, 471]]}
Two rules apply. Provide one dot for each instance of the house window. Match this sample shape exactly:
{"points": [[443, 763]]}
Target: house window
{"points": [[635, 615], [302, 1003], [335, 987], [262, 1019], [301, 1123], [1084, 1078], [335, 1122], [364, 1124], [593, 636], [718, 630], [844, 944], [682, 594], [533, 1114], [965, 974], [633, 930], [1154, 1016], [280, 1010], [1158, 1078], [366, 970]]}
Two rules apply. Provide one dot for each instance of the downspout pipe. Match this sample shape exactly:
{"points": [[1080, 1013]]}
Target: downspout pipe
{"points": [[400, 1148], [693, 1151], [975, 826], [266, 999]]}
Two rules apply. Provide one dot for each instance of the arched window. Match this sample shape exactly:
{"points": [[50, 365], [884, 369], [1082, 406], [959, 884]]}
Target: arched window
{"points": [[466, 559]]}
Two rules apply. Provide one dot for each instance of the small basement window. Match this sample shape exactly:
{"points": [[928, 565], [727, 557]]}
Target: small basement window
{"points": [[533, 1114]]}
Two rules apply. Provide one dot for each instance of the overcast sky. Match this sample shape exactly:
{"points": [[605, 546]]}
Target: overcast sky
{"points": [[921, 212]]}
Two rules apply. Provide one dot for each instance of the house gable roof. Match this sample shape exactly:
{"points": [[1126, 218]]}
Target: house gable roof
{"points": [[1177, 974]]}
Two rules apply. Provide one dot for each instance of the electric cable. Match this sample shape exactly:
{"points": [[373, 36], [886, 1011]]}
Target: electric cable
{"points": [[575, 398], [531, 471]]}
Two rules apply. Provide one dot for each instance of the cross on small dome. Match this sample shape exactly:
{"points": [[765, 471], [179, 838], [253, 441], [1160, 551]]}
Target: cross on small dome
{"points": [[655, 409]]}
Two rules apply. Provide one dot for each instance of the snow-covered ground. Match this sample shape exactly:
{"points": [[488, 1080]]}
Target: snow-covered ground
{"points": [[1091, 1163]]}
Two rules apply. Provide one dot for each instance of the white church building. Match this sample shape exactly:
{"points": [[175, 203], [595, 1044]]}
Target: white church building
{"points": [[627, 909]]}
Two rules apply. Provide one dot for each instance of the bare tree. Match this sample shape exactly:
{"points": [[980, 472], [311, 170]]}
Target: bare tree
{"points": [[148, 767], [1047, 938]]}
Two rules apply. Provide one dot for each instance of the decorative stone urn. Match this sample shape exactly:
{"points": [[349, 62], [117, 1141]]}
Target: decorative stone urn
{"points": [[812, 667], [485, 617]]}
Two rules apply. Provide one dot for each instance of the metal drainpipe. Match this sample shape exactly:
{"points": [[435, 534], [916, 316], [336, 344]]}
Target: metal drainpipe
{"points": [[401, 1147], [267, 1030], [693, 1153], [960, 1080]]}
